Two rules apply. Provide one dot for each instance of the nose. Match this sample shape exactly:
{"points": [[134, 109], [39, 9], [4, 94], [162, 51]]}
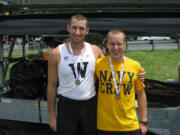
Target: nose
{"points": [[77, 31], [116, 46]]}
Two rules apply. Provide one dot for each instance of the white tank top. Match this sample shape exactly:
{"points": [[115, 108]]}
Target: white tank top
{"points": [[86, 66]]}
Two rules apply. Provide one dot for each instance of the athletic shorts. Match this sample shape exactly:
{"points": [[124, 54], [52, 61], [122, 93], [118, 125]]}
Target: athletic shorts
{"points": [[135, 132], [76, 117]]}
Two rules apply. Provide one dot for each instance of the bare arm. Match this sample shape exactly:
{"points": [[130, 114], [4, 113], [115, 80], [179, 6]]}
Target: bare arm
{"points": [[142, 105], [52, 86], [97, 54]]}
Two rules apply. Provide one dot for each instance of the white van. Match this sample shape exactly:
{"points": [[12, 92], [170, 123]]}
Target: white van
{"points": [[153, 38]]}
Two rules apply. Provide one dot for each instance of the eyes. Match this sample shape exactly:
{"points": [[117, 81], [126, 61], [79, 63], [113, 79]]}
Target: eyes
{"points": [[118, 44], [78, 28]]}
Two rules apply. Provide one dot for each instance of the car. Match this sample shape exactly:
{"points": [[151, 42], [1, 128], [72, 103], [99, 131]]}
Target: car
{"points": [[153, 38]]}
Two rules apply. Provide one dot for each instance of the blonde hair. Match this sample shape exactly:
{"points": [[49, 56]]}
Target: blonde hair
{"points": [[116, 31]]}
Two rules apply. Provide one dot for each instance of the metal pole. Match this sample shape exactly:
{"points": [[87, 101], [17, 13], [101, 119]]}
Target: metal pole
{"points": [[179, 70], [6, 62], [152, 42], [179, 44], [2, 63], [126, 50]]}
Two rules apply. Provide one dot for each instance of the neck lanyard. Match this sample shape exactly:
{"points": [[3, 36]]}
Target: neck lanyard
{"points": [[72, 54], [114, 77], [77, 81]]}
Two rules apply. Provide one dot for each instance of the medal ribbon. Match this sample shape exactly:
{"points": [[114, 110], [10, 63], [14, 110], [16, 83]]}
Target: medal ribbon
{"points": [[114, 77], [74, 61]]}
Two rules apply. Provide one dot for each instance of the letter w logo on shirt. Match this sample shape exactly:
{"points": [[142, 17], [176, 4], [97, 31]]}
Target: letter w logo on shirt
{"points": [[80, 69]]}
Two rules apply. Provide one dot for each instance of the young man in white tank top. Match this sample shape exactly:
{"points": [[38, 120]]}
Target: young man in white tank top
{"points": [[72, 65]]}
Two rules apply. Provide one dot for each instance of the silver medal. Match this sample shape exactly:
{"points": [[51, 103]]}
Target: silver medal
{"points": [[77, 82], [117, 96]]}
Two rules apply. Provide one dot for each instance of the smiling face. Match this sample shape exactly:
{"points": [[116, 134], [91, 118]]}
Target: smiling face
{"points": [[77, 29], [116, 44]]}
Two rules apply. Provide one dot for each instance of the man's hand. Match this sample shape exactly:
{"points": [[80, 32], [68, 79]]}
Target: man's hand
{"points": [[142, 75], [143, 129], [52, 123]]}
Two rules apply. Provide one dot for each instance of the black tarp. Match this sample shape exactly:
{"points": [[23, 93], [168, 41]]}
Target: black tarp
{"points": [[28, 79], [162, 94]]}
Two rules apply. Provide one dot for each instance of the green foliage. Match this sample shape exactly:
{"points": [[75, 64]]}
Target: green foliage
{"points": [[27, 2], [94, 39]]}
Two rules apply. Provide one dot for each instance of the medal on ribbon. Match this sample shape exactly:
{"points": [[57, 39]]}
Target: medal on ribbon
{"points": [[118, 92], [77, 75], [77, 81]]}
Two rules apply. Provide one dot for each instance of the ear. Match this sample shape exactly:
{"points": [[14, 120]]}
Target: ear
{"points": [[68, 27], [125, 43], [107, 48], [87, 30], [107, 45]]}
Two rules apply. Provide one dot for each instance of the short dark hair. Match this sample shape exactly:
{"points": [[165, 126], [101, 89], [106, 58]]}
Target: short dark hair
{"points": [[79, 17]]}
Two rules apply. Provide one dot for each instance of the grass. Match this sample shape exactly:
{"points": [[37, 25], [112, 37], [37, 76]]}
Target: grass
{"points": [[19, 51], [159, 64]]}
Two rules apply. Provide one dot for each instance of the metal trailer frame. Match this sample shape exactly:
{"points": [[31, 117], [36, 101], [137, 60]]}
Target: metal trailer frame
{"points": [[35, 111]]}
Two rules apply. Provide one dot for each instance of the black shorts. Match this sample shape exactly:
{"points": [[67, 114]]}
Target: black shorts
{"points": [[75, 117], [135, 132]]}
